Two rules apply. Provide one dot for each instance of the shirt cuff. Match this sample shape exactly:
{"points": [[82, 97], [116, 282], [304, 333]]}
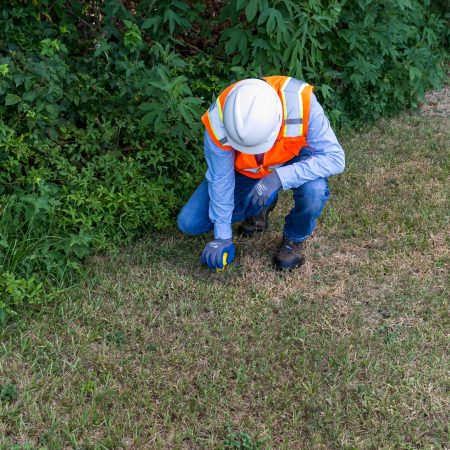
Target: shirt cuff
{"points": [[222, 231], [288, 177]]}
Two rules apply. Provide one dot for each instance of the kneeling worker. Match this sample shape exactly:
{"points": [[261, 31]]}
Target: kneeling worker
{"points": [[262, 135]]}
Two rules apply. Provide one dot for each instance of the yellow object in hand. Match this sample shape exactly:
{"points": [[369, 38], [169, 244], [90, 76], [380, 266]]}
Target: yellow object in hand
{"points": [[224, 261]]}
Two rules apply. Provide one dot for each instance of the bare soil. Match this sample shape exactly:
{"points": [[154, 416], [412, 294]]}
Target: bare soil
{"points": [[437, 102]]}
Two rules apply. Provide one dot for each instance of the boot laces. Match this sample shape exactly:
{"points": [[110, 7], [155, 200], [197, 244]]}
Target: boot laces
{"points": [[290, 246]]}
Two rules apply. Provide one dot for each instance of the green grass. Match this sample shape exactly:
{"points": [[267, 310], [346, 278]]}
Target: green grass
{"points": [[350, 351]]}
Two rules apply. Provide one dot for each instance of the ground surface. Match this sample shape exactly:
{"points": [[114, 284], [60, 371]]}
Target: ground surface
{"points": [[351, 351], [437, 103]]}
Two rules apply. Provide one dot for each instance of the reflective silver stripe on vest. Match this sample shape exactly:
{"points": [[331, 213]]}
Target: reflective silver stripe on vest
{"points": [[216, 121], [258, 169], [293, 104]]}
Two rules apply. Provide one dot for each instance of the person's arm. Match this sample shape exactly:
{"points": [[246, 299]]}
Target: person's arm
{"points": [[221, 179], [327, 154]]}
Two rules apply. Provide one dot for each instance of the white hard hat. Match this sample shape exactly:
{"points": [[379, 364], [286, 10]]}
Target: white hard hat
{"points": [[252, 116]]}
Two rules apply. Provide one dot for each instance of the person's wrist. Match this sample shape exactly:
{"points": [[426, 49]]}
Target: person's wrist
{"points": [[223, 231], [223, 241]]}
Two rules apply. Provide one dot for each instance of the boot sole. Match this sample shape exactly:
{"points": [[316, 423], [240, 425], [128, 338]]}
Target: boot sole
{"points": [[249, 233]]}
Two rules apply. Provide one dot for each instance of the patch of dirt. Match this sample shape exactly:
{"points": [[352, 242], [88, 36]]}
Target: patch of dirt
{"points": [[437, 103]]}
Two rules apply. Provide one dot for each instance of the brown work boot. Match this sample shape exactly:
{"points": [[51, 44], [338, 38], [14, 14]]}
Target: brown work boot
{"points": [[289, 255], [258, 223]]}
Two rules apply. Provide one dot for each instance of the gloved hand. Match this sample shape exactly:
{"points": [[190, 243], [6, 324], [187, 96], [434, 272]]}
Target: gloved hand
{"points": [[265, 190], [214, 251]]}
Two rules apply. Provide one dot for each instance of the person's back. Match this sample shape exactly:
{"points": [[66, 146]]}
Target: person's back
{"points": [[262, 135]]}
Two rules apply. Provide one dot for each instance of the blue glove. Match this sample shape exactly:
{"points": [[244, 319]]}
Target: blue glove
{"points": [[264, 192], [214, 251]]}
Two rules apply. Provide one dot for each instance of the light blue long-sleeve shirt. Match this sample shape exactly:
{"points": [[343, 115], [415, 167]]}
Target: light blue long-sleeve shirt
{"points": [[327, 158]]}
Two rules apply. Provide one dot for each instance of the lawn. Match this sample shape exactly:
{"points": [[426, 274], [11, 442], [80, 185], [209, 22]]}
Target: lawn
{"points": [[350, 351]]}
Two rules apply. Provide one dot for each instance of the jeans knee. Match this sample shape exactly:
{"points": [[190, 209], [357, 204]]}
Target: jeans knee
{"points": [[184, 224], [313, 195], [188, 226], [316, 189]]}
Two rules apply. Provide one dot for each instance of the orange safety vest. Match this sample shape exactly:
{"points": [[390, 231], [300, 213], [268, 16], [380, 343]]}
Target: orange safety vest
{"points": [[295, 96]]}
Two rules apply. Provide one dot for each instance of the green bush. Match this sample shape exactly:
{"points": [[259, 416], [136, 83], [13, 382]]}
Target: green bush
{"points": [[100, 105], [366, 58]]}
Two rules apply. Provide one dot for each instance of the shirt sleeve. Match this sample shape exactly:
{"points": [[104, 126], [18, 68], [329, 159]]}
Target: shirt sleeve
{"points": [[221, 180], [327, 156]]}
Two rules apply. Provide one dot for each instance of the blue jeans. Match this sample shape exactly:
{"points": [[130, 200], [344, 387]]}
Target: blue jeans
{"points": [[309, 201]]}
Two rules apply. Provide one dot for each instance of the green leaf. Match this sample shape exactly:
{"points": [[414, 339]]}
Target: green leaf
{"points": [[326, 91], [414, 73], [261, 43], [52, 109], [152, 22], [281, 27], [12, 99], [251, 9], [4, 69], [181, 5], [240, 4], [174, 19], [235, 38], [263, 16], [270, 25], [146, 106], [147, 119]]}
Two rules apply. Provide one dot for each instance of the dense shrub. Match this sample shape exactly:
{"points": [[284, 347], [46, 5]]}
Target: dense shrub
{"points": [[367, 58], [100, 137]]}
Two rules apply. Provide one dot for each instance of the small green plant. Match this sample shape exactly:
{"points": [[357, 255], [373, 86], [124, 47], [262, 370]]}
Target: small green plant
{"points": [[88, 387], [16, 291], [8, 393], [152, 347], [115, 337], [241, 440]]}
